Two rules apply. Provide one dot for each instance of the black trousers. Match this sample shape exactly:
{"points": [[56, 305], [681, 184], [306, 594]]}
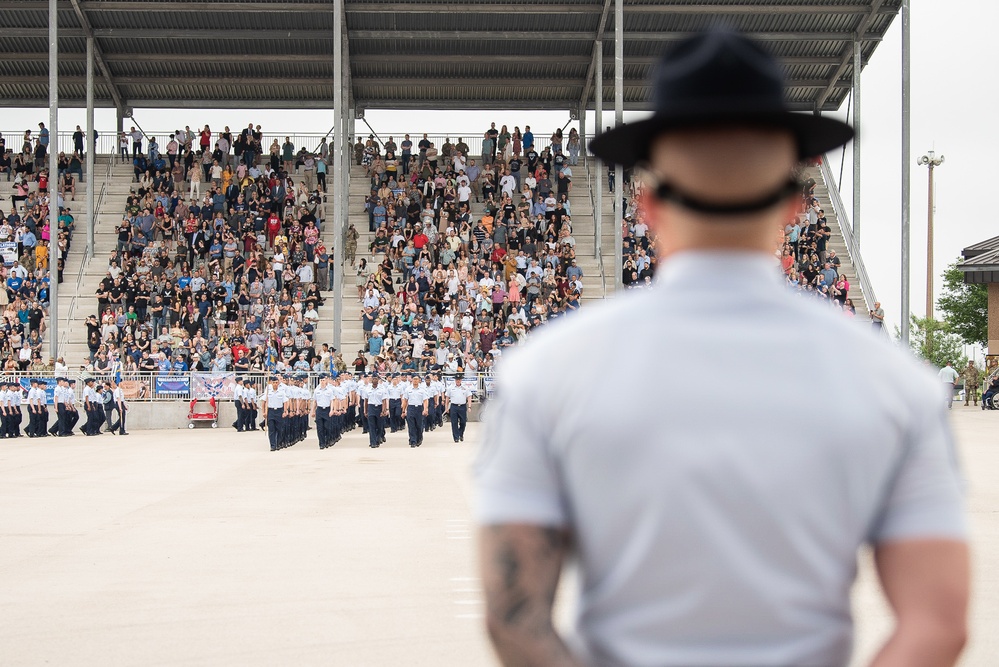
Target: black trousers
{"points": [[375, 425], [459, 417], [324, 428], [395, 414], [274, 427], [414, 422]]}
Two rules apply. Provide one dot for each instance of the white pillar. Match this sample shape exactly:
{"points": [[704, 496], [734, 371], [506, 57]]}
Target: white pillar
{"points": [[88, 144], [598, 100], [618, 121], [338, 192], [54, 179]]}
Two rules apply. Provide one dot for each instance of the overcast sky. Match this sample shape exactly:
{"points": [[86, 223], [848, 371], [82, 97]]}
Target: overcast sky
{"points": [[953, 104]]}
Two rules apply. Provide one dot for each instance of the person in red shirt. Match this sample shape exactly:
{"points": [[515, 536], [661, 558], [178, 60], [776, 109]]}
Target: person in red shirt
{"points": [[420, 240], [499, 252], [43, 181], [273, 228]]}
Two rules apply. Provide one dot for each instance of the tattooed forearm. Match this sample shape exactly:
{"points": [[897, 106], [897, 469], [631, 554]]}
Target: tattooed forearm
{"points": [[521, 565]]}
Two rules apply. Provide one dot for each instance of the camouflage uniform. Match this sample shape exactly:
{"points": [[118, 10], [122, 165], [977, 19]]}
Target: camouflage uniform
{"points": [[971, 383]]}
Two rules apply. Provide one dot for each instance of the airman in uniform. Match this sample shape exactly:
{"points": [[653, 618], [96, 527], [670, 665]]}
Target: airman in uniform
{"points": [[322, 404], [458, 397], [249, 400], [118, 398], [59, 400], [37, 412], [376, 408], [972, 382], [416, 403], [395, 389], [72, 411], [275, 401], [93, 406], [6, 411], [237, 402]]}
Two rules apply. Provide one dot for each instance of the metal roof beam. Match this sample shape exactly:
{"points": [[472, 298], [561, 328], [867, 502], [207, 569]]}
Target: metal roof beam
{"points": [[847, 54], [593, 8], [98, 54], [597, 43], [356, 59], [305, 6], [381, 35]]}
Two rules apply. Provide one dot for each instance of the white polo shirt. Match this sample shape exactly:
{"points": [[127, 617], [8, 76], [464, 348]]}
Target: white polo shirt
{"points": [[716, 532]]}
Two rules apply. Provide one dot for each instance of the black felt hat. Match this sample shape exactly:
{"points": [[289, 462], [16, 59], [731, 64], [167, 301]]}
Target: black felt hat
{"points": [[719, 77]]}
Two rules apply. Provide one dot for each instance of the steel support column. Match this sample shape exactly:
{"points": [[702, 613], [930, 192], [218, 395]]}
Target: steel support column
{"points": [[598, 100], [618, 121], [54, 178], [857, 57], [338, 193], [904, 314], [88, 144]]}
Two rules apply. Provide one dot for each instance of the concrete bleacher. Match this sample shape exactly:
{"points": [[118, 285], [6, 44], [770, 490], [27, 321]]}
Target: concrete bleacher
{"points": [[77, 300], [582, 226]]}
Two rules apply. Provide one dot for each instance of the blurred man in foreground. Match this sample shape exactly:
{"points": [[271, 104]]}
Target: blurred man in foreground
{"points": [[707, 534]]}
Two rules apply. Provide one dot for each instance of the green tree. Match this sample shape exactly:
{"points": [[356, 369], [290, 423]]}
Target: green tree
{"points": [[964, 307], [932, 340]]}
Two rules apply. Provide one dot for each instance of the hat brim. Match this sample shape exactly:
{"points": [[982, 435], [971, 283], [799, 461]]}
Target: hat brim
{"points": [[628, 144]]}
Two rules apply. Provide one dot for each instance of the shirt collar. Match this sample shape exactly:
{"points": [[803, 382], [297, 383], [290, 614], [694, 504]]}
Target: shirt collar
{"points": [[732, 271]]}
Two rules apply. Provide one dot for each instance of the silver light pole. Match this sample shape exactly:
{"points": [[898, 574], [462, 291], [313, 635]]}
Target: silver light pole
{"points": [[931, 161], [53, 179]]}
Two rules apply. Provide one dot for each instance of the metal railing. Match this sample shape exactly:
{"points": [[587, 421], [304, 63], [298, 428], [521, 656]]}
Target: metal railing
{"points": [[195, 385], [87, 255], [597, 220], [107, 140], [843, 220]]}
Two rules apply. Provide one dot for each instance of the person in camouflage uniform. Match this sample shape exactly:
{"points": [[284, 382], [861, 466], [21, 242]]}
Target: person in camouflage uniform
{"points": [[350, 246], [971, 383]]}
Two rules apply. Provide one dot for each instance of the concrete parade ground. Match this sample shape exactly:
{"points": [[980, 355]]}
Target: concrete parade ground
{"points": [[203, 548]]}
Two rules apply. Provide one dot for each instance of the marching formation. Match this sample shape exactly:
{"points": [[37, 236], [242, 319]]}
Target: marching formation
{"points": [[101, 401], [378, 405]]}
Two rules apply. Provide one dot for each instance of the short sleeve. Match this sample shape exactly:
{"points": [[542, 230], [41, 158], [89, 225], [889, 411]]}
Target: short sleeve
{"points": [[925, 499], [516, 476]]}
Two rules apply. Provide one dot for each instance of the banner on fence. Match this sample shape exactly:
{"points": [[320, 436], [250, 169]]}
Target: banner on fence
{"points": [[490, 387], [48, 384], [213, 385], [8, 251], [180, 386]]}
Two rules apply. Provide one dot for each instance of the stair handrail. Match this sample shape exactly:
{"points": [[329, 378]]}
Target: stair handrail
{"points": [[843, 220], [87, 255], [597, 219]]}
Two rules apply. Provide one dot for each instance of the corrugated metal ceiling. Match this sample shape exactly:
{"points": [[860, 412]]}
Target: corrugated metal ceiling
{"points": [[435, 54]]}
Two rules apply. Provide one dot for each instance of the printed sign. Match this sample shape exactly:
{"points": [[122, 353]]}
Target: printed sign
{"points": [[8, 251], [180, 386], [48, 384]]}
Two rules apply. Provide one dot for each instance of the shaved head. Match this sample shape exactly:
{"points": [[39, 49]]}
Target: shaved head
{"points": [[721, 165]]}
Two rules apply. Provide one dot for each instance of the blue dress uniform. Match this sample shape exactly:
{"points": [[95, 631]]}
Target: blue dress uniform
{"points": [[7, 410], [72, 412], [34, 429], [395, 389], [457, 398], [377, 399], [94, 407], [249, 402], [237, 402], [275, 399], [416, 407], [59, 427], [323, 396], [430, 419], [338, 414]]}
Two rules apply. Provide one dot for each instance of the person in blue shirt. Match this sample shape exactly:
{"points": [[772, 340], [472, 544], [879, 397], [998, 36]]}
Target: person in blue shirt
{"points": [[528, 138], [179, 366], [163, 364], [14, 283]]}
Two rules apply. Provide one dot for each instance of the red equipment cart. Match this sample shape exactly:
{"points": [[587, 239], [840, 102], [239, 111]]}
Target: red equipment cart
{"points": [[213, 416]]}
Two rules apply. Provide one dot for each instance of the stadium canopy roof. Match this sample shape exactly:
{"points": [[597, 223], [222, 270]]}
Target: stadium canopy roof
{"points": [[519, 54]]}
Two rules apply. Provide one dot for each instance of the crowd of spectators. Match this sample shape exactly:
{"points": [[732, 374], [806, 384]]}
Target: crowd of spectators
{"points": [[471, 249], [26, 237], [810, 267], [219, 263]]}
